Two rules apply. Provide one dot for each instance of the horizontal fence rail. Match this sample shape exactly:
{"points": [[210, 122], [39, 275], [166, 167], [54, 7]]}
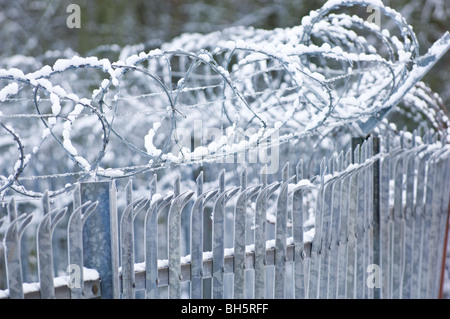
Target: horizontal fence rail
{"points": [[370, 224]]}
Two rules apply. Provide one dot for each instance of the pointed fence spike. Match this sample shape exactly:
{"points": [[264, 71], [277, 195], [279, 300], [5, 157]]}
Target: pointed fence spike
{"points": [[58, 215], [243, 179], [45, 203], [199, 183], [285, 172], [12, 245], [153, 185], [45, 252], [127, 252], [11, 208], [177, 185], [75, 246], [129, 192], [197, 242], [222, 181], [299, 170], [263, 176], [77, 196]]}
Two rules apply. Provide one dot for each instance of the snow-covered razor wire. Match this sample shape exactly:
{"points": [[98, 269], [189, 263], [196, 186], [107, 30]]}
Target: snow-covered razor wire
{"points": [[204, 98]]}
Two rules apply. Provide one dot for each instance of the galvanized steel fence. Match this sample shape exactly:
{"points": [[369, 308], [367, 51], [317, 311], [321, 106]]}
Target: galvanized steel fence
{"points": [[370, 224]]}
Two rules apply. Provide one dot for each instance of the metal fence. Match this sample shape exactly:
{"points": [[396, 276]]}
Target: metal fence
{"points": [[371, 223]]}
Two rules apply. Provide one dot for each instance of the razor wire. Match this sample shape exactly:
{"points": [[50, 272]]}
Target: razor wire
{"points": [[229, 92]]}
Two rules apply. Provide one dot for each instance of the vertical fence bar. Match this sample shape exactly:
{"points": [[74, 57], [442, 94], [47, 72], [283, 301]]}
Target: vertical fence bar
{"points": [[325, 251], [280, 238], [75, 243], [435, 229], [240, 282], [365, 216], [342, 239], [45, 252], [437, 188], [351, 239], [360, 212], [97, 242], [218, 239], [397, 229], [260, 234], [343, 232], [297, 224], [334, 236], [174, 253], [313, 285], [409, 207], [427, 227], [443, 222], [12, 250], [384, 223], [151, 244], [376, 218], [114, 229], [419, 216], [127, 244], [239, 240], [260, 237], [260, 244], [369, 215], [197, 241], [127, 252], [359, 151]]}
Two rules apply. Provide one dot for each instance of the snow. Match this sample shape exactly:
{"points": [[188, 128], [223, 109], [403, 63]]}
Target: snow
{"points": [[56, 106], [109, 172], [204, 57], [61, 281], [87, 167], [46, 132], [149, 146], [10, 89], [156, 197], [67, 143], [309, 236], [304, 183], [334, 3], [228, 252], [13, 72]]}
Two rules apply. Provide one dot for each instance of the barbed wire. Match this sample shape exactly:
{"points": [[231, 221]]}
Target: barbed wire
{"points": [[253, 88]]}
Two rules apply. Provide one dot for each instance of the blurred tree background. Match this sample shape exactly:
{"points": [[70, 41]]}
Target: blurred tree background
{"points": [[36, 28]]}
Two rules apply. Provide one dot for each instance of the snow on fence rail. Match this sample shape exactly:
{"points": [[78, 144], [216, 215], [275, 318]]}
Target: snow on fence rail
{"points": [[379, 219]]}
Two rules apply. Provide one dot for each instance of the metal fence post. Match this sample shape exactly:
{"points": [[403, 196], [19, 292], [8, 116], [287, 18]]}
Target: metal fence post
{"points": [[376, 211], [98, 233]]}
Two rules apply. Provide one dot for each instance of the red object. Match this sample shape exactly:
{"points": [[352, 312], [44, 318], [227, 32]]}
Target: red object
{"points": [[441, 288]]}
